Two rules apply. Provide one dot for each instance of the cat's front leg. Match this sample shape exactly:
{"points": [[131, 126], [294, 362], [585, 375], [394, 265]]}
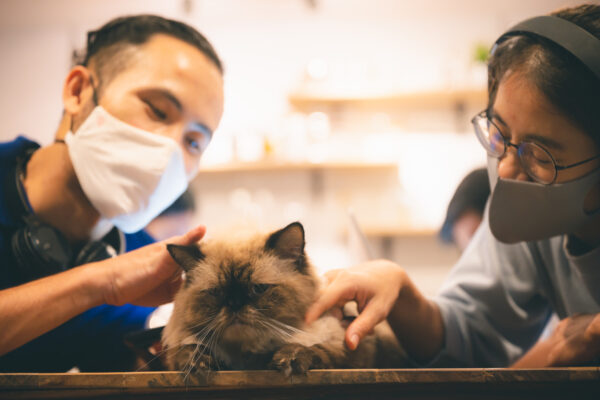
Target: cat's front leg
{"points": [[297, 359], [191, 359]]}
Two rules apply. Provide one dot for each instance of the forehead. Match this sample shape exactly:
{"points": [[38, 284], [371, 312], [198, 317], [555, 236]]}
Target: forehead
{"points": [[244, 262], [168, 63], [526, 110]]}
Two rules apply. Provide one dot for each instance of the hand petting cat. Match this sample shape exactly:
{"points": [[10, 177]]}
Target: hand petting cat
{"points": [[374, 286], [382, 289], [147, 276]]}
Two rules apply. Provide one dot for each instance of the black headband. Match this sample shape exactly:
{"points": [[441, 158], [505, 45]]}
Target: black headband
{"points": [[571, 37]]}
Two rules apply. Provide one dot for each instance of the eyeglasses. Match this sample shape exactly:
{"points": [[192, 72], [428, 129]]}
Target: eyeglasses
{"points": [[537, 162]]}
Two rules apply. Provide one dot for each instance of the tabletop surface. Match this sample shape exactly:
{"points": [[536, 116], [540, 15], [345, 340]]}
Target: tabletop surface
{"points": [[578, 383]]}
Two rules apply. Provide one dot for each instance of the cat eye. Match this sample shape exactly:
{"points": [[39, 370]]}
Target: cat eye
{"points": [[259, 288]]}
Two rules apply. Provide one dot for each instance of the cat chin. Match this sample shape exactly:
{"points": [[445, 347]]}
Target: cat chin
{"points": [[238, 332]]}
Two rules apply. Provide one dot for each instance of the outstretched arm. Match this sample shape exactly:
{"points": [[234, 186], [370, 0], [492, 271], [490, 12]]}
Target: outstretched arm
{"points": [[147, 276]]}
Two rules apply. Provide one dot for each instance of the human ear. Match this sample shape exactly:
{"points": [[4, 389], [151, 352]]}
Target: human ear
{"points": [[78, 90]]}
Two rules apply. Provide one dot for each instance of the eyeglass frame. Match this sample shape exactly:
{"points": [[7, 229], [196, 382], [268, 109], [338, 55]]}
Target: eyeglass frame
{"points": [[507, 143]]}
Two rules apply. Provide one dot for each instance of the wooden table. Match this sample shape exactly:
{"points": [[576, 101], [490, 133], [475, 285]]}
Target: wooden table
{"points": [[552, 383]]}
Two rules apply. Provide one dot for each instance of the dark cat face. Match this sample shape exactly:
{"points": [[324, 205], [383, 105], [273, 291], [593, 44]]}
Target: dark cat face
{"points": [[253, 291]]}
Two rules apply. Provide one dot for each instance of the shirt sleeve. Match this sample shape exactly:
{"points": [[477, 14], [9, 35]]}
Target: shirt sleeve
{"points": [[491, 304]]}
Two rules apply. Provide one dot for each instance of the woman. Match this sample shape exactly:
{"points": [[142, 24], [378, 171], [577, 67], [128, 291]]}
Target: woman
{"points": [[536, 252]]}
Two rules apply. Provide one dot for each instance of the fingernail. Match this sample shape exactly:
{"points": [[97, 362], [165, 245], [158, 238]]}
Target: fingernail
{"points": [[354, 341]]}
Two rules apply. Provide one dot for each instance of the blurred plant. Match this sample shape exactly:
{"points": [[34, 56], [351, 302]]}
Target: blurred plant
{"points": [[481, 52]]}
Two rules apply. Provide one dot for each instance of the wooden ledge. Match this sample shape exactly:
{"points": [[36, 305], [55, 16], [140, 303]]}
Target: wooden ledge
{"points": [[420, 383]]}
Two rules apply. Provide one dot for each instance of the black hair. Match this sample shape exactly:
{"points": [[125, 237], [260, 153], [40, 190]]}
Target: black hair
{"points": [[471, 194], [109, 47], [184, 203], [564, 80]]}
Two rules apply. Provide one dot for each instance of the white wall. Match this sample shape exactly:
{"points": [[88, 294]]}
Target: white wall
{"points": [[266, 45]]}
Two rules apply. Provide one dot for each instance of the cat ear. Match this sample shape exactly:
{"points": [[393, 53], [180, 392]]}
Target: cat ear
{"points": [[186, 256], [288, 242]]}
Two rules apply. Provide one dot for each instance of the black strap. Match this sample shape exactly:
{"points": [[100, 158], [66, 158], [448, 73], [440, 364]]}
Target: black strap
{"points": [[16, 199], [573, 38]]}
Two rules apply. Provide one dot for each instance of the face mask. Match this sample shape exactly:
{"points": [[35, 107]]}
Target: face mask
{"points": [[526, 211], [128, 174]]}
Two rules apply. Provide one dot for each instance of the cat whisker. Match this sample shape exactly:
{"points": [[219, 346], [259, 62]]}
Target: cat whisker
{"points": [[283, 334]]}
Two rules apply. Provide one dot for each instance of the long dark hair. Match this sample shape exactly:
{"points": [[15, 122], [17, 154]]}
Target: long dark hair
{"points": [[567, 83]]}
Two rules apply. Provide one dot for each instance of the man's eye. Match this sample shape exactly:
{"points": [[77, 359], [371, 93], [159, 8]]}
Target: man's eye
{"points": [[196, 144], [157, 112]]}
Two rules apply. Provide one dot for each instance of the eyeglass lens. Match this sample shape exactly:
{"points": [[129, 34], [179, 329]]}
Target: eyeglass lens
{"points": [[536, 161]]}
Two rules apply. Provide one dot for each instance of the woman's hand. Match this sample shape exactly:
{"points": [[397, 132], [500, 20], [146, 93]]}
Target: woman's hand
{"points": [[383, 290], [575, 341], [147, 276], [374, 286]]}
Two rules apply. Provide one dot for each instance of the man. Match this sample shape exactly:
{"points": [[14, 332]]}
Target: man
{"points": [[138, 113], [466, 209]]}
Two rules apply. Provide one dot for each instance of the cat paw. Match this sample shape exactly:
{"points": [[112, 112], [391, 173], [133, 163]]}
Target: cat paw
{"points": [[188, 360], [294, 359]]}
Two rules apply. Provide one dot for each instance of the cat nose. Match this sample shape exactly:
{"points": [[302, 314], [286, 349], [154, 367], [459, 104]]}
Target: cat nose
{"points": [[235, 303]]}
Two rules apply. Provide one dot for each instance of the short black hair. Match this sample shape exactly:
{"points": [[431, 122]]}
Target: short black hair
{"points": [[472, 194], [108, 46], [184, 203]]}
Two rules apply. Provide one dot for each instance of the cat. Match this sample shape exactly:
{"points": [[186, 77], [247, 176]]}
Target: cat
{"points": [[242, 306]]}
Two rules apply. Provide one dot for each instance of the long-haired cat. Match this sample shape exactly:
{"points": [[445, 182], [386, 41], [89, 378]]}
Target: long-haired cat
{"points": [[242, 306]]}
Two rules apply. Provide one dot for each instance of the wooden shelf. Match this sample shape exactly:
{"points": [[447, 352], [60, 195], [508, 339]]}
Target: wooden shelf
{"points": [[426, 99], [283, 166]]}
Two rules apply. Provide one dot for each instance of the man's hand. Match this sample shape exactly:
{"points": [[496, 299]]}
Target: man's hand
{"points": [[374, 286], [575, 341], [147, 276]]}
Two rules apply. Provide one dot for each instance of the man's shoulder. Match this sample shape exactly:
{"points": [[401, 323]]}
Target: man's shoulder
{"points": [[10, 150], [138, 239]]}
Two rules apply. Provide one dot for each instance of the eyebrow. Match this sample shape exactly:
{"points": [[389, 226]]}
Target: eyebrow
{"points": [[202, 128], [532, 137]]}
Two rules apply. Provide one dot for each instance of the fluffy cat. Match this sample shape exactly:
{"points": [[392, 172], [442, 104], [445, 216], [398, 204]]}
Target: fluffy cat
{"points": [[242, 306]]}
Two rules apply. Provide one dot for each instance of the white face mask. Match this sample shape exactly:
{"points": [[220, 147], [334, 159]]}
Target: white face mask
{"points": [[129, 175]]}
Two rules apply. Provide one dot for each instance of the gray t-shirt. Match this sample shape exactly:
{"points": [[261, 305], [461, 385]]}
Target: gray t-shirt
{"points": [[498, 298]]}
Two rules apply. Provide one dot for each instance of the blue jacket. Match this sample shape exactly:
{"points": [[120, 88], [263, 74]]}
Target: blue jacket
{"points": [[92, 341]]}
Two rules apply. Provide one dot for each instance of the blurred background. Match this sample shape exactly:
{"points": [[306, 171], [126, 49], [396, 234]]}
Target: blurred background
{"points": [[332, 108]]}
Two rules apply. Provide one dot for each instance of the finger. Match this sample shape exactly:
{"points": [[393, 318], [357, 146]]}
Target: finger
{"points": [[195, 234], [337, 313], [192, 236], [331, 275], [331, 296], [364, 323]]}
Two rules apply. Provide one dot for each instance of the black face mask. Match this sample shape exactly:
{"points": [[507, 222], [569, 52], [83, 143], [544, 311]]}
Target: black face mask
{"points": [[525, 211]]}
